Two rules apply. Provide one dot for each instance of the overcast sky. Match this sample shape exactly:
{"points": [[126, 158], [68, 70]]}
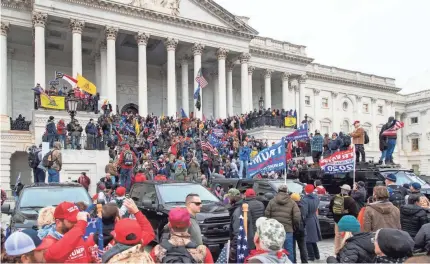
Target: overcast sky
{"points": [[389, 38]]}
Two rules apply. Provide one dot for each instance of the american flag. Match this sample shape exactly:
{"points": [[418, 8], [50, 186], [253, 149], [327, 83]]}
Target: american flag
{"points": [[392, 131], [242, 243], [223, 256], [207, 146], [201, 80], [218, 132]]}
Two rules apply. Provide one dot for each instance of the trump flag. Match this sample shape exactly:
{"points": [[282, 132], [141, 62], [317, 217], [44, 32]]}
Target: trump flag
{"points": [[269, 159], [339, 162]]}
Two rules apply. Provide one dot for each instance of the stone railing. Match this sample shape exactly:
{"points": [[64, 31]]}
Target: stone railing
{"points": [[260, 121], [20, 124], [277, 45]]}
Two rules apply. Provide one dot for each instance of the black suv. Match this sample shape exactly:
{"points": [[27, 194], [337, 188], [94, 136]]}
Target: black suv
{"points": [[39, 195], [155, 199]]}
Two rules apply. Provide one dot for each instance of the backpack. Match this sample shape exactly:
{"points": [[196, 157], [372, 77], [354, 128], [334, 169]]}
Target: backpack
{"points": [[177, 254], [33, 159], [128, 158], [396, 196], [47, 160], [339, 205], [346, 140], [366, 138]]}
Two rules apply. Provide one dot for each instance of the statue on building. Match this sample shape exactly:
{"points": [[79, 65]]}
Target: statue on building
{"points": [[166, 6]]}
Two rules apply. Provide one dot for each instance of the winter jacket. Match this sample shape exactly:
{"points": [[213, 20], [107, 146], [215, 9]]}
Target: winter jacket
{"points": [[310, 203], [317, 143], [194, 231], [91, 129], [358, 136], [85, 181], [69, 249], [235, 212], [334, 144], [381, 214], [422, 239], [358, 249], [412, 217], [61, 128], [51, 128], [121, 158], [57, 157], [285, 210], [256, 208], [386, 126], [359, 196], [349, 204], [244, 153]]}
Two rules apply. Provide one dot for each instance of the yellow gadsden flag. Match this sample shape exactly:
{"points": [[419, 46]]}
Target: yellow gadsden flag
{"points": [[86, 85], [290, 121], [52, 102]]}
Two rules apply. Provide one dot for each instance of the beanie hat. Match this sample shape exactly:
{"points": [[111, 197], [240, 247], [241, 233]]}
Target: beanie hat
{"points": [[271, 233], [309, 188], [127, 231], [295, 197], [250, 193], [120, 191], [349, 223], [283, 188], [233, 192], [403, 243]]}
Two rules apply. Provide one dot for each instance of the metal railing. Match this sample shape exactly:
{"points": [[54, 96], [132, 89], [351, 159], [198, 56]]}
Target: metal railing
{"points": [[20, 124], [79, 142]]}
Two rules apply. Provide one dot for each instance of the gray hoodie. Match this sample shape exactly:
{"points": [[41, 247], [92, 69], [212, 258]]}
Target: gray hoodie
{"points": [[194, 231]]}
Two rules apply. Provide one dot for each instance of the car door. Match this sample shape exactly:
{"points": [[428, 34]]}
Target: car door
{"points": [[146, 192]]}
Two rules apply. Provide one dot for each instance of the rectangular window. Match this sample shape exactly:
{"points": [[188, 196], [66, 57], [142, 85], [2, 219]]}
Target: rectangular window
{"points": [[365, 108], [324, 130], [416, 169], [380, 109], [414, 120], [324, 103], [415, 144], [307, 100]]}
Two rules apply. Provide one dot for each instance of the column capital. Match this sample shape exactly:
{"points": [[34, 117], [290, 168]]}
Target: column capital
{"points": [[103, 45], [4, 28], [76, 25], [373, 100], [286, 76], [251, 70], [111, 33], [334, 95], [316, 91], [171, 43], [244, 58], [39, 19], [142, 38], [296, 88], [358, 98], [268, 73], [197, 49], [303, 79], [185, 59], [222, 53], [230, 65]]}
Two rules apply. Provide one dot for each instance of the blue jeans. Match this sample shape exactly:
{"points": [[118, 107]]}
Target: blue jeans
{"points": [[62, 139], [39, 175], [75, 142], [289, 245], [390, 149], [125, 178], [242, 164], [383, 155], [53, 175], [51, 139]]}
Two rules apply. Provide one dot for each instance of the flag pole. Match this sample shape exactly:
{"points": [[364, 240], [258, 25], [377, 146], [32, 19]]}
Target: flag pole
{"points": [[355, 165], [245, 217], [285, 179]]}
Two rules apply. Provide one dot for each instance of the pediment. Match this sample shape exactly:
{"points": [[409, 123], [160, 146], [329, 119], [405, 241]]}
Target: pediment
{"points": [[203, 11]]}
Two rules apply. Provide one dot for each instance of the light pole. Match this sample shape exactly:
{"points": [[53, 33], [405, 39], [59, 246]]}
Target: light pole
{"points": [[261, 103], [72, 105]]}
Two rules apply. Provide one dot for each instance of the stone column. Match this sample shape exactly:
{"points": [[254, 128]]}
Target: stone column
{"points": [[244, 58], [267, 89], [222, 92], [171, 45], [185, 99], [3, 84], [334, 118], [197, 52], [39, 21], [103, 70], [375, 133], [250, 95], [214, 76], [111, 33], [10, 95], [77, 26], [317, 108], [302, 82], [285, 91], [230, 67], [142, 41], [97, 70], [358, 109], [297, 103]]}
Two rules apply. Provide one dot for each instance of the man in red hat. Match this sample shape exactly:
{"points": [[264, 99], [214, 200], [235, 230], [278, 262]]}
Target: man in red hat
{"points": [[179, 222], [358, 141], [256, 208], [66, 243]]}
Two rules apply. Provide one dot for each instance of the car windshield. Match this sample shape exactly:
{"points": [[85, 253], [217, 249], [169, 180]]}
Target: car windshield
{"points": [[406, 177], [177, 194], [42, 197], [292, 186]]}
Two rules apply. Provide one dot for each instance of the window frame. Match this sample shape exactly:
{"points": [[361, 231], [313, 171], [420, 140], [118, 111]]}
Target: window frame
{"points": [[414, 123], [307, 102], [417, 140], [366, 111], [322, 103], [382, 110], [345, 108]]}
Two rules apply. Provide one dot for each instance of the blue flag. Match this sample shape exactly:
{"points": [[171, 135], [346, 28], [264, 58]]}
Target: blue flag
{"points": [[214, 141], [197, 92], [242, 243], [301, 133], [269, 159], [295, 113], [183, 114]]}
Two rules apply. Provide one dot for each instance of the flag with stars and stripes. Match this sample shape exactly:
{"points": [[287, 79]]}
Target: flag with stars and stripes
{"points": [[242, 243], [223, 256]]}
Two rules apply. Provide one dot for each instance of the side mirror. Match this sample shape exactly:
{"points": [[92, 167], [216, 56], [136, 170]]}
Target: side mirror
{"points": [[147, 203], [5, 209], [269, 196]]}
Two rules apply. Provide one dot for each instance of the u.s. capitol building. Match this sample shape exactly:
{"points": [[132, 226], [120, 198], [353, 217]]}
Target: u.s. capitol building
{"points": [[146, 54]]}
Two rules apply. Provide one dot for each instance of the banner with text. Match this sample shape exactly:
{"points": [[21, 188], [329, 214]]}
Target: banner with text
{"points": [[269, 159], [301, 133], [339, 162]]}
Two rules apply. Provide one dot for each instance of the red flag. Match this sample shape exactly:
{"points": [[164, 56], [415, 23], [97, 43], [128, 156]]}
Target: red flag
{"points": [[289, 151]]}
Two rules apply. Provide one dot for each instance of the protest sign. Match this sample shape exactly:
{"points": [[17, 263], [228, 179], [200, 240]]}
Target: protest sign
{"points": [[269, 159], [339, 162]]}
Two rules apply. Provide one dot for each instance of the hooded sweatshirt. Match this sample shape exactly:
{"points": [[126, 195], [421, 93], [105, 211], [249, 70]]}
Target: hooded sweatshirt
{"points": [[381, 214]]}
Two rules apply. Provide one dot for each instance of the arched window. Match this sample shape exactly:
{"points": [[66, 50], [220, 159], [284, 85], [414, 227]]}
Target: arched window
{"points": [[345, 126]]}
